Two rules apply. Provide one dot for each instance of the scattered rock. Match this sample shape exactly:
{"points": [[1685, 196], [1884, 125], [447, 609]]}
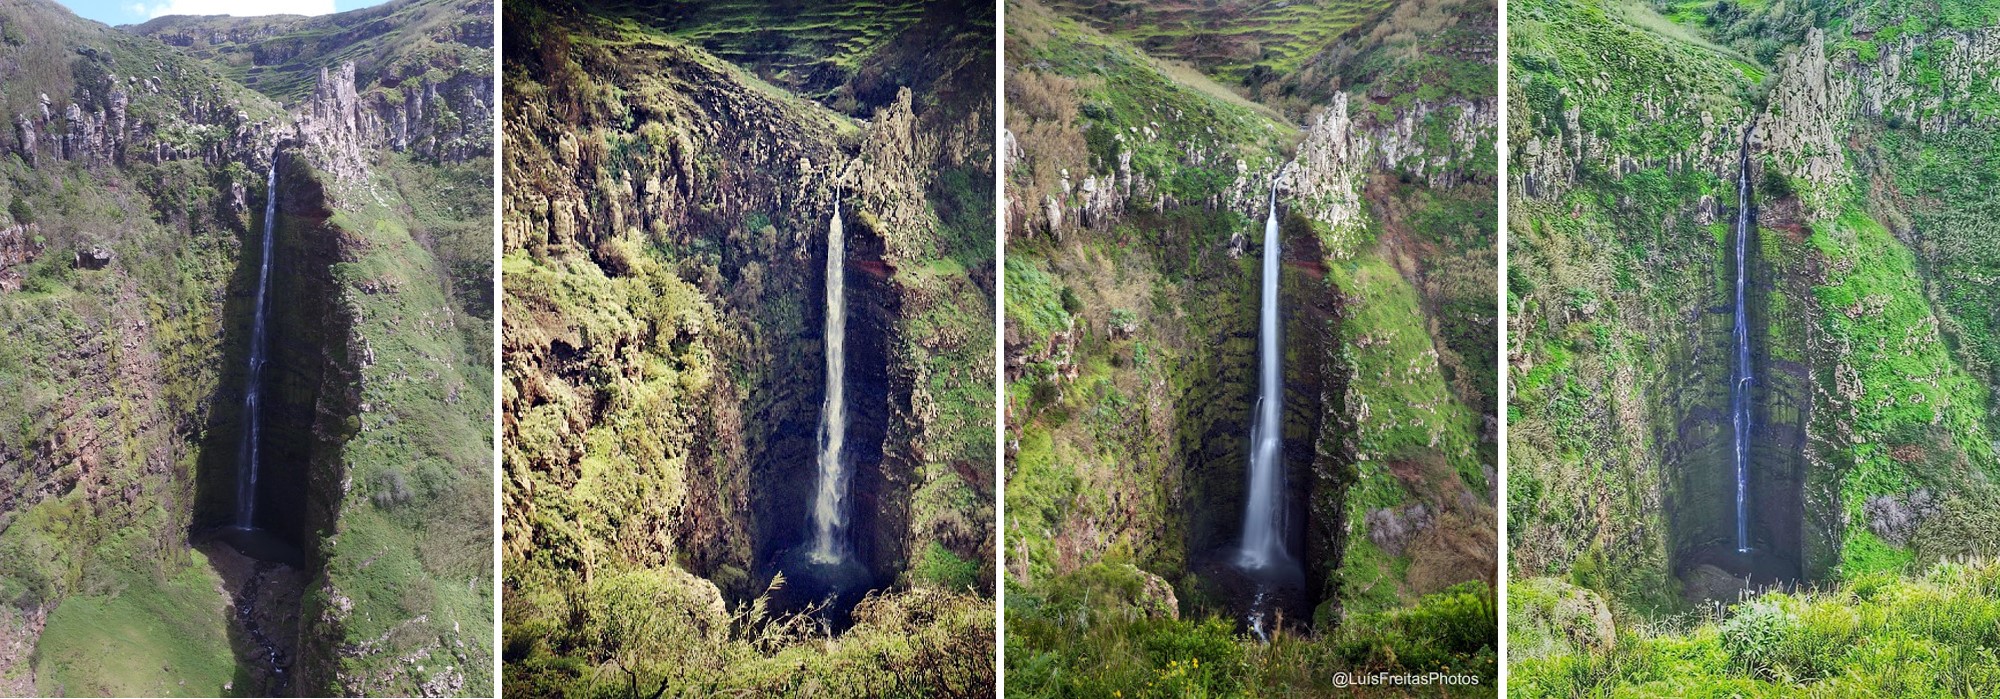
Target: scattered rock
{"points": [[1391, 529], [93, 258], [1895, 517]]}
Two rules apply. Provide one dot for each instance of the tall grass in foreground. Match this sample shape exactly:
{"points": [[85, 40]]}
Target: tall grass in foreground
{"points": [[1093, 634], [1878, 635]]}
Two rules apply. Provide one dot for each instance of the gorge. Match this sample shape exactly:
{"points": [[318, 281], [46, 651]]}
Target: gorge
{"points": [[249, 454], [747, 345], [1264, 555], [1761, 414], [1269, 448]]}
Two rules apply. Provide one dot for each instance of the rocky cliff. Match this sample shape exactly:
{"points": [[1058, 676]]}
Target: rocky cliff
{"points": [[135, 180], [1871, 403], [1136, 191], [664, 224]]}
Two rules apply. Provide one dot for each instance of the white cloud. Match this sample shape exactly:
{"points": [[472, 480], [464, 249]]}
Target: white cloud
{"points": [[240, 8]]}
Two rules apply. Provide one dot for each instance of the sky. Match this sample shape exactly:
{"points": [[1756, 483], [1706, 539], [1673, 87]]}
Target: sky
{"points": [[116, 12]]}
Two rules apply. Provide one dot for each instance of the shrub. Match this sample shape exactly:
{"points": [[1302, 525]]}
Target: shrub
{"points": [[941, 567], [19, 209]]}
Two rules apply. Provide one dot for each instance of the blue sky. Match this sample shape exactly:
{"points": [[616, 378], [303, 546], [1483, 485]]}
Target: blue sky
{"points": [[115, 12]]}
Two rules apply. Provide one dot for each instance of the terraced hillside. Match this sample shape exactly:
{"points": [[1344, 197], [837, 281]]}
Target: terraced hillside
{"points": [[281, 55], [667, 220], [1237, 41], [850, 56], [1858, 138], [1137, 186], [423, 69]]}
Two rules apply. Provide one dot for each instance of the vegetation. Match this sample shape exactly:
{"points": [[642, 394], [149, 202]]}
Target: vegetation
{"points": [[1881, 634], [1132, 345], [1093, 634], [1873, 492], [663, 348]]}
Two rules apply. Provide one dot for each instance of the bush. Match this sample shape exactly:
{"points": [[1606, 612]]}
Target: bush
{"points": [[22, 213], [1882, 634], [941, 567], [1776, 185]]}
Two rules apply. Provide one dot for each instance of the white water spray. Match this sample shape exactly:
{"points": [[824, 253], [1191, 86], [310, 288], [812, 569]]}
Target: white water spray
{"points": [[829, 517], [1739, 392], [1263, 516], [253, 385]]}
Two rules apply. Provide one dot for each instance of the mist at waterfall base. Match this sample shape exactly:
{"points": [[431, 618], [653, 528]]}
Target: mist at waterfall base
{"points": [[1263, 581], [822, 574]]}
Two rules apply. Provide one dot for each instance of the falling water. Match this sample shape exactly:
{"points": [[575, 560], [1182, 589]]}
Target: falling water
{"points": [[1739, 395], [246, 463], [1263, 516], [829, 509]]}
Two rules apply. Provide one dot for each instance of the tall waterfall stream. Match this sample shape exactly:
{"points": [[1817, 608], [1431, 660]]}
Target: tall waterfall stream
{"points": [[829, 515], [1741, 377], [253, 383]]}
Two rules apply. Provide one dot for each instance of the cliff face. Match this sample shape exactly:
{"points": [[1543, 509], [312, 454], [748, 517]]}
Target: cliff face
{"points": [[1627, 175], [1119, 161], [135, 183], [665, 232], [420, 79]]}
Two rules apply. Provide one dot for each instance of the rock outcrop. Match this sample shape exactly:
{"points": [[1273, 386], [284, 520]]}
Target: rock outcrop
{"points": [[19, 245]]}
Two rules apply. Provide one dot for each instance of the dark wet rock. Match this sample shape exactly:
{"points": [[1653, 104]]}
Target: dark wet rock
{"points": [[94, 258], [1710, 583]]}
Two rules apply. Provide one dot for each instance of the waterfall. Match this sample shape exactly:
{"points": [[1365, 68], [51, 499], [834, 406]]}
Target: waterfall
{"points": [[1741, 379], [1263, 516], [253, 385], [829, 515]]}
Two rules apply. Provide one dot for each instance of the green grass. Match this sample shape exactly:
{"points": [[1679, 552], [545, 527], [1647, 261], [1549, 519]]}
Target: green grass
{"points": [[1929, 635], [1255, 39], [157, 636], [1586, 54], [1912, 393], [1397, 377], [1094, 633]]}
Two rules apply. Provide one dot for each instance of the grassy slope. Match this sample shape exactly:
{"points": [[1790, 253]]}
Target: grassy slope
{"points": [[1881, 634], [1097, 449], [592, 594], [154, 634], [416, 522], [281, 55]]}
